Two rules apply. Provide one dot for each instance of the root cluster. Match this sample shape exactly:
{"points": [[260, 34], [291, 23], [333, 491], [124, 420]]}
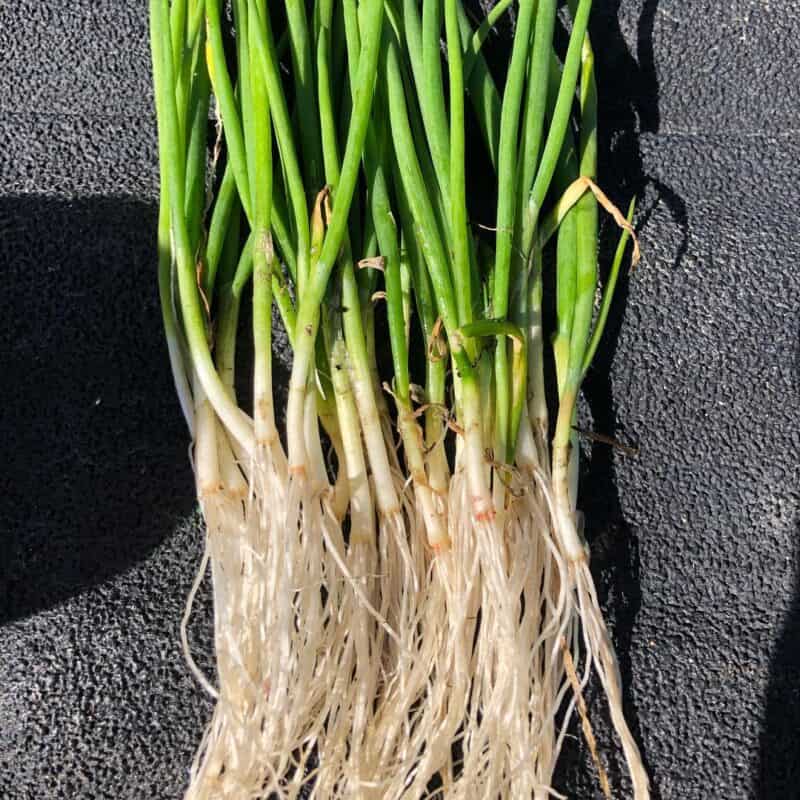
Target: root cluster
{"points": [[380, 667]]}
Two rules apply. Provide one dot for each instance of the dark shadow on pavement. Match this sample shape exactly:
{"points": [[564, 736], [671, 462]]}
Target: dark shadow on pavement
{"points": [[777, 773], [96, 470]]}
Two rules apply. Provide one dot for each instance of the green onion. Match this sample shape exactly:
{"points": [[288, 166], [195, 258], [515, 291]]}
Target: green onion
{"points": [[396, 553]]}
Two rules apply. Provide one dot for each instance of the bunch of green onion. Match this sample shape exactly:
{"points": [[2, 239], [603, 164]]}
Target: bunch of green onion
{"points": [[402, 600]]}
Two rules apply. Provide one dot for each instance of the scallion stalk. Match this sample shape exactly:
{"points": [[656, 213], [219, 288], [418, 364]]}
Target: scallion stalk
{"points": [[391, 578]]}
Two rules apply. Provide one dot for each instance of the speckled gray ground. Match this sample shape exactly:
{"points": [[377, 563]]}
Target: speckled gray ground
{"points": [[695, 541]]}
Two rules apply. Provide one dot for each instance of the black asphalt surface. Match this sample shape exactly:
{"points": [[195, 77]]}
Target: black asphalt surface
{"points": [[695, 541]]}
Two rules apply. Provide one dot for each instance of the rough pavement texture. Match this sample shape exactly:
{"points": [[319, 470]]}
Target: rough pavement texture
{"points": [[695, 542]]}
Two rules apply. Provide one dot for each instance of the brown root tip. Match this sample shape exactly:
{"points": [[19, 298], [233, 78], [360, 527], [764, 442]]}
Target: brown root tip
{"points": [[484, 512], [210, 489]]}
